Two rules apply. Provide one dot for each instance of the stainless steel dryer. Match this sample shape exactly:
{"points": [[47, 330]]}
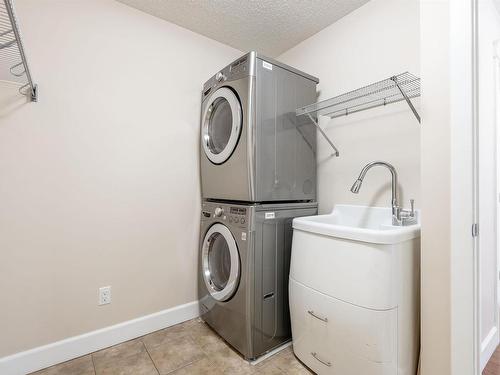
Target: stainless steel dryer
{"points": [[253, 147], [244, 266]]}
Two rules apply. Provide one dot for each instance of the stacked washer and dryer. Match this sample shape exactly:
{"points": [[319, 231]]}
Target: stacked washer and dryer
{"points": [[258, 172]]}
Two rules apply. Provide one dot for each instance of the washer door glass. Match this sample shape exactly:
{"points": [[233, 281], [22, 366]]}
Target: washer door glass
{"points": [[221, 263], [221, 125]]}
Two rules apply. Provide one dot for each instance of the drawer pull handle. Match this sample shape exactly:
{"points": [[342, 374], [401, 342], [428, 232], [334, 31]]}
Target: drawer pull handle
{"points": [[317, 317], [326, 363]]}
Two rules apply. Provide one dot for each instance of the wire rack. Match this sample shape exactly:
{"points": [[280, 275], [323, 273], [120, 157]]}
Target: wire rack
{"points": [[374, 95], [13, 63], [404, 86]]}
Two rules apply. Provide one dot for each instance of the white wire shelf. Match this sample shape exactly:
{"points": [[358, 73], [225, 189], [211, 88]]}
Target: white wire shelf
{"points": [[13, 60], [402, 87]]}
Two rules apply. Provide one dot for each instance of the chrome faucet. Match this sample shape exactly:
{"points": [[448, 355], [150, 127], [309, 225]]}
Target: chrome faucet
{"points": [[400, 216]]}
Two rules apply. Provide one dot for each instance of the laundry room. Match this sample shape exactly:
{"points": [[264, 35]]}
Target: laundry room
{"points": [[248, 187]]}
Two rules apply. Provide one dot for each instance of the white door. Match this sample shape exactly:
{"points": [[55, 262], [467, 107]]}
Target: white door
{"points": [[220, 262], [497, 125], [489, 32], [221, 125]]}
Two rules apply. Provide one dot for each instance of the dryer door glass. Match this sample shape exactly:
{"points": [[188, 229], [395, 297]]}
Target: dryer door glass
{"points": [[221, 125], [220, 262]]}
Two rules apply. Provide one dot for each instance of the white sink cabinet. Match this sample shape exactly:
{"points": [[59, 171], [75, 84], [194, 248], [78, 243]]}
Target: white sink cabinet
{"points": [[354, 292]]}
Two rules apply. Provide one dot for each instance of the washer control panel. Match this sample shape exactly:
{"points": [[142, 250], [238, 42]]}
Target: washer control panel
{"points": [[224, 213], [237, 215]]}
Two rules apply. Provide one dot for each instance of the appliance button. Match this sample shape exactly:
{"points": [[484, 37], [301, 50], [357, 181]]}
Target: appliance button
{"points": [[218, 211], [242, 221], [236, 220]]}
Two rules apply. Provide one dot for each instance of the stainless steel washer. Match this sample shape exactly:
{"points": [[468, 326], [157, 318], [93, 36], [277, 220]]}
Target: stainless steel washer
{"points": [[253, 147], [243, 272]]}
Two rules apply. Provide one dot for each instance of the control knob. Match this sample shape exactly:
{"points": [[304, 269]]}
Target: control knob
{"points": [[219, 77], [218, 211]]}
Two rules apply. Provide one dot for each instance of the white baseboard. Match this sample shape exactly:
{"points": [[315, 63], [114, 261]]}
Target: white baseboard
{"points": [[488, 346], [73, 347]]}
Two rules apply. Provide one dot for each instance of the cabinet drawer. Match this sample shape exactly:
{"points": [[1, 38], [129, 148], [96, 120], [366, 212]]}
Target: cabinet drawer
{"points": [[335, 337], [371, 283]]}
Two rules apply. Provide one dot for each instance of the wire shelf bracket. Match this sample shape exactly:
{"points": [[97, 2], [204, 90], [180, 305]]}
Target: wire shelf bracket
{"points": [[401, 87], [12, 53], [336, 151]]}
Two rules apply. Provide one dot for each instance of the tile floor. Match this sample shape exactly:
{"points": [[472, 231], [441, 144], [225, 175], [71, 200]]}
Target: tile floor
{"points": [[187, 348], [493, 366]]}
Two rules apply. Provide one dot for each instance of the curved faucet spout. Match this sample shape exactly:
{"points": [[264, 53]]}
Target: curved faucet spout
{"points": [[357, 184]]}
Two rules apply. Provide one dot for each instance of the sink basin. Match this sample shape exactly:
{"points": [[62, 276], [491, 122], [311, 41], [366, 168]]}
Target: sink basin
{"points": [[360, 223]]}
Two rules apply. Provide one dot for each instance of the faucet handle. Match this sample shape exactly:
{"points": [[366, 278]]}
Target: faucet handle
{"points": [[408, 217]]}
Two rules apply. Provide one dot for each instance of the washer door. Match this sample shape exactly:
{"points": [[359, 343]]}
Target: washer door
{"points": [[221, 125], [220, 262]]}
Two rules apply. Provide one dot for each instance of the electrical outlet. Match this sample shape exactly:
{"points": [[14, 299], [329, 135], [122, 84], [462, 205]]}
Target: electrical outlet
{"points": [[104, 295]]}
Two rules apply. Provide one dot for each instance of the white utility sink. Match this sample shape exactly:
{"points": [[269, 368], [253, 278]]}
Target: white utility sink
{"points": [[360, 223], [354, 292]]}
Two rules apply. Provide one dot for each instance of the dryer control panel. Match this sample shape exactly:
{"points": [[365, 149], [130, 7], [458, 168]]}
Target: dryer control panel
{"points": [[241, 68]]}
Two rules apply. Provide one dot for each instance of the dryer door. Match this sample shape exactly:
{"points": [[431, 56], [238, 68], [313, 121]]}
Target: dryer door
{"points": [[221, 125], [220, 262]]}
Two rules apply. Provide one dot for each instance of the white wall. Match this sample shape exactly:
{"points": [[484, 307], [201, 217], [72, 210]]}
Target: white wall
{"points": [[489, 32], [374, 42], [436, 186], [448, 257], [99, 180]]}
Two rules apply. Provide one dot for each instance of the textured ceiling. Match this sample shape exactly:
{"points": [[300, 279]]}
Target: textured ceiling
{"points": [[267, 26]]}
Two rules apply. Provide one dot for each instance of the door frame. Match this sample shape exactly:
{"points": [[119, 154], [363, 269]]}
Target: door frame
{"points": [[478, 368], [464, 256], [496, 58]]}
